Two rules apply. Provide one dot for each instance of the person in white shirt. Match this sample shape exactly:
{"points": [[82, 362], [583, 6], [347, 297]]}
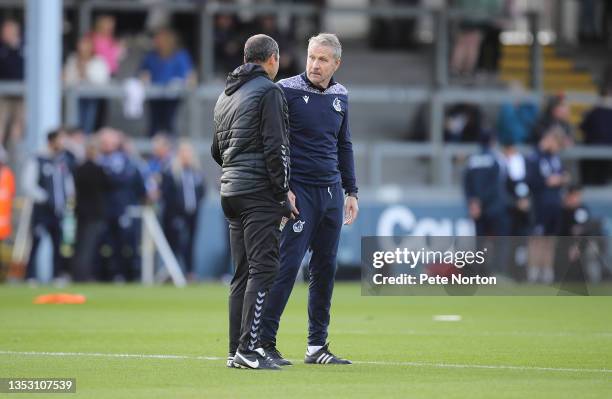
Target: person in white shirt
{"points": [[85, 67]]}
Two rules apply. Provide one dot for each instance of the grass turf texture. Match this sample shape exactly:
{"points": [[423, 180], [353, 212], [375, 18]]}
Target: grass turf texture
{"points": [[526, 340]]}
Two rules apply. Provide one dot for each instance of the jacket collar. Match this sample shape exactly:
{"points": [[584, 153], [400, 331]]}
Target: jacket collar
{"points": [[309, 83]]}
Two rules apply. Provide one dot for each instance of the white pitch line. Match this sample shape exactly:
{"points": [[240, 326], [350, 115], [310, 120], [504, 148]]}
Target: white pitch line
{"points": [[115, 355], [213, 358], [484, 366]]}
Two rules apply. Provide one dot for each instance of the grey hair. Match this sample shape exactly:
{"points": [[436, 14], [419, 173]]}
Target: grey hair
{"points": [[329, 40], [259, 48]]}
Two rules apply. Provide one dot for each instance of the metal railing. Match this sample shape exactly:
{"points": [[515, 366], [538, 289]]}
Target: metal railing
{"points": [[439, 153]]}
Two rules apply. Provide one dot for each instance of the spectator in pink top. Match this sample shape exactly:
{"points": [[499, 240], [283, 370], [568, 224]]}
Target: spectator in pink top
{"points": [[105, 44]]}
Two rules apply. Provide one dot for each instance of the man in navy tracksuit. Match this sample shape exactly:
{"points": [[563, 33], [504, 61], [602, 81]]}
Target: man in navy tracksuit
{"points": [[48, 182], [322, 172]]}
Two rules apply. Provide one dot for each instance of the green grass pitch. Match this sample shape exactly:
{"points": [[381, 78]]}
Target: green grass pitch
{"points": [[504, 347]]}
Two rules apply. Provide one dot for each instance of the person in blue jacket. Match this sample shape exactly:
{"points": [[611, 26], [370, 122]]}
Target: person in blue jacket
{"points": [[182, 189], [484, 185], [547, 179], [166, 65], [323, 186], [126, 190]]}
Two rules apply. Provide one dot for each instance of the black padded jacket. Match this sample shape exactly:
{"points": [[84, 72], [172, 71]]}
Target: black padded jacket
{"points": [[251, 140]]}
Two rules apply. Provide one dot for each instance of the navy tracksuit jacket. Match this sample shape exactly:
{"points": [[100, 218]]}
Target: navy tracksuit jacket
{"points": [[322, 167]]}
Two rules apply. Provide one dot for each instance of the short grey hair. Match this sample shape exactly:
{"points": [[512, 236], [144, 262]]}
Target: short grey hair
{"points": [[259, 48], [329, 40]]}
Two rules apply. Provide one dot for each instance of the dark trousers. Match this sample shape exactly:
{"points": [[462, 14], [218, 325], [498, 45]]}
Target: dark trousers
{"points": [[180, 232], [317, 227], [254, 221], [162, 115], [45, 221], [119, 253], [88, 238], [494, 223]]}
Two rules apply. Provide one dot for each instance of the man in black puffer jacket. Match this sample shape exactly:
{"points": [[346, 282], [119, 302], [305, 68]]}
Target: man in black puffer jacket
{"points": [[251, 144]]}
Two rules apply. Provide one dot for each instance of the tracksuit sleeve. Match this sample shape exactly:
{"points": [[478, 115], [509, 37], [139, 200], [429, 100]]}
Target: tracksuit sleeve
{"points": [[346, 161], [274, 132]]}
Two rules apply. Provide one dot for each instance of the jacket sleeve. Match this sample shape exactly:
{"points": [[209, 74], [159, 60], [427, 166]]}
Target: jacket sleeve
{"points": [[30, 182], [346, 161], [214, 150], [468, 183], [274, 131]]}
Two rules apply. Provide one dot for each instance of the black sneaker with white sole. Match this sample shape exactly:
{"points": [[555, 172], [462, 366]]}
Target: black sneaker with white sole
{"points": [[276, 355], [257, 360], [324, 356]]}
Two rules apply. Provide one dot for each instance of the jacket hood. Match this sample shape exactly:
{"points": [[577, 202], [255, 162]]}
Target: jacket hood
{"points": [[242, 75]]}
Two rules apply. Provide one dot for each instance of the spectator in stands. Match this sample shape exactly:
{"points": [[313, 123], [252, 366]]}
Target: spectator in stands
{"points": [[92, 185], [393, 33], [501, 14], [127, 189], [11, 69], [547, 179], [182, 191], [228, 43], [104, 43], [463, 123], [85, 67], [556, 113], [516, 120], [168, 65], [47, 181], [597, 129], [467, 42], [289, 66], [7, 192], [587, 24]]}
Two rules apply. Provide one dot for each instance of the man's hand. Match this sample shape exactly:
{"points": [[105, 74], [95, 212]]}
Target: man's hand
{"points": [[291, 197], [554, 180], [291, 211], [474, 209], [351, 209]]}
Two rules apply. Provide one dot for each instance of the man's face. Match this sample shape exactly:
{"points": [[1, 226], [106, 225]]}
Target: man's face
{"points": [[57, 145], [321, 64], [10, 33], [562, 111], [573, 199]]}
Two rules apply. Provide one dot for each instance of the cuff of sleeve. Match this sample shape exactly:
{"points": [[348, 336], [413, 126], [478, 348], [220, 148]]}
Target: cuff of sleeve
{"points": [[280, 197]]}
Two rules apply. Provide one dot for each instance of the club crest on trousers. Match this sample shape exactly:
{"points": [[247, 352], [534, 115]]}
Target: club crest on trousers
{"points": [[298, 226]]}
